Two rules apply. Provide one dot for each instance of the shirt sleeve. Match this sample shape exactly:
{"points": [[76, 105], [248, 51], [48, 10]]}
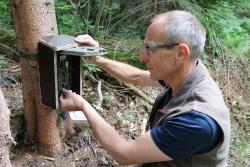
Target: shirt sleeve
{"points": [[186, 134]]}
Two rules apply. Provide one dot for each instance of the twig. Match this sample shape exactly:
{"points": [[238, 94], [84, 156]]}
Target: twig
{"points": [[9, 137], [122, 109], [9, 49], [12, 69], [99, 92], [72, 4], [143, 126], [49, 158], [105, 85], [91, 146]]}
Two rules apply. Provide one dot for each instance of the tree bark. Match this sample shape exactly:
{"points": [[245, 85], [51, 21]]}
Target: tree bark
{"points": [[33, 20], [155, 6], [5, 135], [98, 17]]}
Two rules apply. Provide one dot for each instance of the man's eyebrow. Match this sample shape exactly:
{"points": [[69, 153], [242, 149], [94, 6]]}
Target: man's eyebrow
{"points": [[149, 44]]}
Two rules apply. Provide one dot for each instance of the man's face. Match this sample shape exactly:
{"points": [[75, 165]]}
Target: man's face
{"points": [[160, 61]]}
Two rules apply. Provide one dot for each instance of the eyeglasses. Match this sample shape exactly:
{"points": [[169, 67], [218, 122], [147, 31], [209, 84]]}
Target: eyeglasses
{"points": [[149, 48]]}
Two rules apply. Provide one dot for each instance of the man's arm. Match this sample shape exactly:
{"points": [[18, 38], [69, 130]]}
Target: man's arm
{"points": [[120, 71], [123, 151], [125, 72], [141, 150]]}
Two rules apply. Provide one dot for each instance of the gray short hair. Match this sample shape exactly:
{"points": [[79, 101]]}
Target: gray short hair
{"points": [[183, 27]]}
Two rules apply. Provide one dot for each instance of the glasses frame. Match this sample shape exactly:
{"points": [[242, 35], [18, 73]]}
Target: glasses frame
{"points": [[149, 48]]}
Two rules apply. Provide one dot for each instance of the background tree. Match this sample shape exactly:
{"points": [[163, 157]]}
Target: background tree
{"points": [[32, 21]]}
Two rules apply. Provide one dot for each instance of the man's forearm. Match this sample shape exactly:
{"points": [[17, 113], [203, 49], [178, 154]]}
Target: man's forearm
{"points": [[105, 134], [125, 72]]}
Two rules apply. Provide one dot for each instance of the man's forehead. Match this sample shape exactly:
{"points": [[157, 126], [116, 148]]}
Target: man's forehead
{"points": [[155, 31]]}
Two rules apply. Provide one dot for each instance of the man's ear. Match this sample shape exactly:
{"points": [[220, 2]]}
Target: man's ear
{"points": [[183, 52]]}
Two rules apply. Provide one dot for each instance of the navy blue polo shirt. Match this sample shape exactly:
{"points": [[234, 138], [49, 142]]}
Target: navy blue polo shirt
{"points": [[186, 134]]}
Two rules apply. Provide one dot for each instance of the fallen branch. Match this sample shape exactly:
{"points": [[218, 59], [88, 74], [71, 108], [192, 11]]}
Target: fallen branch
{"points": [[128, 88], [139, 93], [11, 69]]}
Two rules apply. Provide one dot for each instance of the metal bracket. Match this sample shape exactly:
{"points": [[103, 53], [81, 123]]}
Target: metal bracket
{"points": [[84, 51]]}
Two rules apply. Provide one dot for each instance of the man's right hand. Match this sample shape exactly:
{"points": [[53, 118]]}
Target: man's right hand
{"points": [[87, 40]]}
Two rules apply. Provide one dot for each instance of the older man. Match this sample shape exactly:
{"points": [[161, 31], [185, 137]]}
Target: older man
{"points": [[189, 122]]}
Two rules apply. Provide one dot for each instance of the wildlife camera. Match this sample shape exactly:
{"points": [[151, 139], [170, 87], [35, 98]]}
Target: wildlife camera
{"points": [[59, 59]]}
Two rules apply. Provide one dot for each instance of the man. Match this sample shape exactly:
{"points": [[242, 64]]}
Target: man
{"points": [[189, 122]]}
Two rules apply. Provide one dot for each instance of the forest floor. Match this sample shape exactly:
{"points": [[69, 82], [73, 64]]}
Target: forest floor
{"points": [[124, 110], [121, 107]]}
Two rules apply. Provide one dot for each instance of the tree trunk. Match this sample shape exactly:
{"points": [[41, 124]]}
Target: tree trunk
{"points": [[33, 20], [155, 7], [98, 17], [5, 135]]}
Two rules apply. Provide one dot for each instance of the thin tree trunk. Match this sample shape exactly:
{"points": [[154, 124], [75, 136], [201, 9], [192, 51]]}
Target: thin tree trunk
{"points": [[33, 20], [5, 135], [88, 15], [98, 17], [155, 6]]}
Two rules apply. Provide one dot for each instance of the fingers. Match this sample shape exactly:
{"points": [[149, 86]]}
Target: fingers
{"points": [[64, 93], [83, 37], [66, 100], [91, 59], [86, 40]]}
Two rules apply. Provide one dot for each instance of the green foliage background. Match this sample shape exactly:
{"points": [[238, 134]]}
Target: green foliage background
{"points": [[227, 21], [7, 35]]}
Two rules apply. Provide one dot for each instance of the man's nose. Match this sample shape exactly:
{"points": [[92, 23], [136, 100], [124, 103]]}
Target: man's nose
{"points": [[144, 56]]}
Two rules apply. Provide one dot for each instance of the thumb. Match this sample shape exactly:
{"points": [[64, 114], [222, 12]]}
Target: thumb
{"points": [[61, 98]]}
